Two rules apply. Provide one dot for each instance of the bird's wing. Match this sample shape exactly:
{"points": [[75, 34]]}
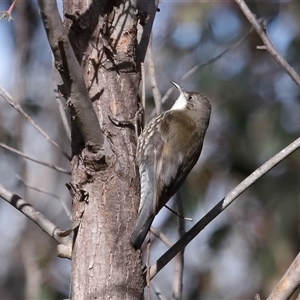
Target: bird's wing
{"points": [[181, 147]]}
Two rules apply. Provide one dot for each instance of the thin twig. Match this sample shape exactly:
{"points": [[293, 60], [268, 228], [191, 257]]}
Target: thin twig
{"points": [[143, 86], [39, 219], [43, 191], [148, 267], [7, 13], [268, 46], [161, 236], [157, 291], [179, 258], [222, 205], [288, 283], [152, 75], [64, 118], [176, 214], [210, 61], [7, 97], [59, 169]]}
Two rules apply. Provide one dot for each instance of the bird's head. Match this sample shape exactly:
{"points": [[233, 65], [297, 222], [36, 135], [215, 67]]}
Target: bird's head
{"points": [[189, 100]]}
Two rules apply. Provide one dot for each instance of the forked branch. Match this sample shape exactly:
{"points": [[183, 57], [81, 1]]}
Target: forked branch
{"points": [[268, 46], [40, 220]]}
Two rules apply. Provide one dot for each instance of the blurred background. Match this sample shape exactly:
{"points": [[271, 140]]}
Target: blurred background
{"points": [[256, 113]]}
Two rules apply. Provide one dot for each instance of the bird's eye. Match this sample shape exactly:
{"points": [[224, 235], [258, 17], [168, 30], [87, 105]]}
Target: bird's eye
{"points": [[190, 98]]}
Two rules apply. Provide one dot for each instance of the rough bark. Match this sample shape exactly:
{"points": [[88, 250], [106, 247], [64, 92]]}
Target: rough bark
{"points": [[106, 185]]}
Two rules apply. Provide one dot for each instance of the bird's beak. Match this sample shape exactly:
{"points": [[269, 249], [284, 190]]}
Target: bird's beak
{"points": [[178, 87]]}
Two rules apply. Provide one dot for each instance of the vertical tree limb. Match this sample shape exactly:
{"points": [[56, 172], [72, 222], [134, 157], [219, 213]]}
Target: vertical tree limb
{"points": [[71, 73], [152, 74], [179, 258]]}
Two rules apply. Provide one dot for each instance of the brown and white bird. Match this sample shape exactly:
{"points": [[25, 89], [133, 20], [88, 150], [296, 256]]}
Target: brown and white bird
{"points": [[167, 150]]}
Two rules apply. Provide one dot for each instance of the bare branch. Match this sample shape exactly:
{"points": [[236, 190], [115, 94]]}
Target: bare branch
{"points": [[210, 61], [71, 73], [59, 169], [143, 86], [39, 219], [288, 283], [157, 292], [268, 46], [161, 236], [148, 267], [176, 214], [63, 204], [222, 205], [7, 13], [146, 12], [152, 75], [7, 97], [179, 258]]}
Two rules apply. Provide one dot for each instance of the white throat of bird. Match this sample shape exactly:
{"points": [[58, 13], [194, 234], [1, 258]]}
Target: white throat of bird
{"points": [[181, 102]]}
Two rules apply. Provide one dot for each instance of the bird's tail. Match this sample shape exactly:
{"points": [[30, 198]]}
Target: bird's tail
{"points": [[142, 227], [146, 212]]}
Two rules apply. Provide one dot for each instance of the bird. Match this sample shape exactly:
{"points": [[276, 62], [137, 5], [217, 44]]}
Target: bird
{"points": [[167, 150]]}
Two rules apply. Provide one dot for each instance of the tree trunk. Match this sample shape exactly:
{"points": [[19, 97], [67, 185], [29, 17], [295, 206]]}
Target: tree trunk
{"points": [[106, 189]]}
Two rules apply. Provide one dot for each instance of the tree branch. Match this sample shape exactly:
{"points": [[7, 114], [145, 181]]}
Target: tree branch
{"points": [[59, 169], [71, 73], [7, 13], [161, 236], [7, 97], [146, 11], [268, 46], [222, 205], [43, 191], [288, 283], [64, 118], [39, 219], [157, 292], [152, 75], [210, 61], [179, 258]]}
